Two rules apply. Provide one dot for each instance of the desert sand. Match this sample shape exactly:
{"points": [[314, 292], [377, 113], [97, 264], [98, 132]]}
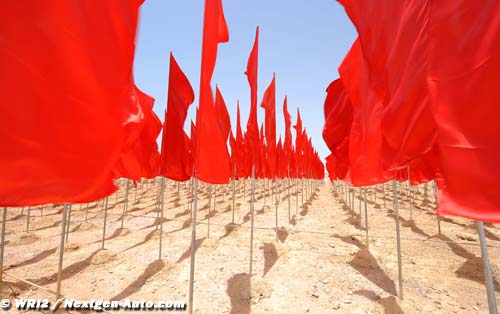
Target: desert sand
{"points": [[318, 263]]}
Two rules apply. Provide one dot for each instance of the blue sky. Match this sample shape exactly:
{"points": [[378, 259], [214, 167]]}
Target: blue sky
{"points": [[302, 41]]}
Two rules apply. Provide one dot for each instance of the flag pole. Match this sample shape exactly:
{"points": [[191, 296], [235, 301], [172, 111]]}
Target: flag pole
{"points": [[193, 246], [209, 206], [289, 218], [366, 220], [275, 181], [104, 224], [436, 199], [398, 238], [234, 188], [297, 193], [28, 220], [161, 217], [409, 194], [252, 200], [2, 245], [490, 288], [61, 253], [125, 202], [69, 222]]}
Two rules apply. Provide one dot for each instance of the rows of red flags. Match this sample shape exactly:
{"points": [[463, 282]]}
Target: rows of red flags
{"points": [[73, 120], [418, 99]]}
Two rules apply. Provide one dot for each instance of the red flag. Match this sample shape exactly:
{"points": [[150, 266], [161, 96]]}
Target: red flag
{"points": [[365, 139], [211, 158], [269, 105], [65, 74], [298, 144], [287, 145], [252, 132], [394, 40], [175, 155], [464, 78], [240, 148], [140, 157], [222, 114]]}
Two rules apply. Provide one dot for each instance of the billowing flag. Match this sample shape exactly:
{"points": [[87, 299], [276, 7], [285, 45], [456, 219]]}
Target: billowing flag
{"points": [[65, 77], [175, 155], [222, 114], [211, 158], [252, 132], [269, 105]]}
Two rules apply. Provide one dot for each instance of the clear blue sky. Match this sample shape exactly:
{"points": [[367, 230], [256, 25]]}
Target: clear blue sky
{"points": [[302, 41]]}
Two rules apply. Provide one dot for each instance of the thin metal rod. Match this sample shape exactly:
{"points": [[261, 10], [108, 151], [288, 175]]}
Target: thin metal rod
{"points": [[490, 288], [234, 193], [61, 253], [289, 215], [209, 207], [409, 195], [252, 200], [398, 238], [366, 219], [277, 213], [69, 222], [162, 193], [2, 245], [125, 203], [104, 224], [28, 220], [193, 247]]}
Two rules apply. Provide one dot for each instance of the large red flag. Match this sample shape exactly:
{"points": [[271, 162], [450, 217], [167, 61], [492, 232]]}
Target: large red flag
{"points": [[269, 105], [394, 39], [252, 132], [287, 145], [241, 169], [298, 144], [65, 74], [222, 114], [140, 157], [175, 155], [464, 78], [211, 158], [365, 139]]}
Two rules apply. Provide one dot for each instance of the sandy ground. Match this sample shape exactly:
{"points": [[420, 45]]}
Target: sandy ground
{"points": [[320, 263]]}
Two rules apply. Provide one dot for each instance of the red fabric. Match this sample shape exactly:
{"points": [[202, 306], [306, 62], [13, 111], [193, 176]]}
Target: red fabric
{"points": [[261, 168], [241, 169], [425, 168], [222, 114], [211, 158], [175, 155], [252, 132], [288, 144], [65, 73], [464, 81], [140, 158], [394, 38], [365, 138], [269, 105], [298, 145]]}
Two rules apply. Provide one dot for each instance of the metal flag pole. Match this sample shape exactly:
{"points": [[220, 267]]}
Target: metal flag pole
{"points": [[193, 247], [234, 190], [276, 203], [209, 206], [398, 238], [2, 245], [302, 191], [297, 193], [28, 220], [436, 199], [61, 253], [69, 222], [366, 220], [289, 215], [490, 288], [252, 200], [409, 194], [105, 220], [125, 203], [162, 193]]}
